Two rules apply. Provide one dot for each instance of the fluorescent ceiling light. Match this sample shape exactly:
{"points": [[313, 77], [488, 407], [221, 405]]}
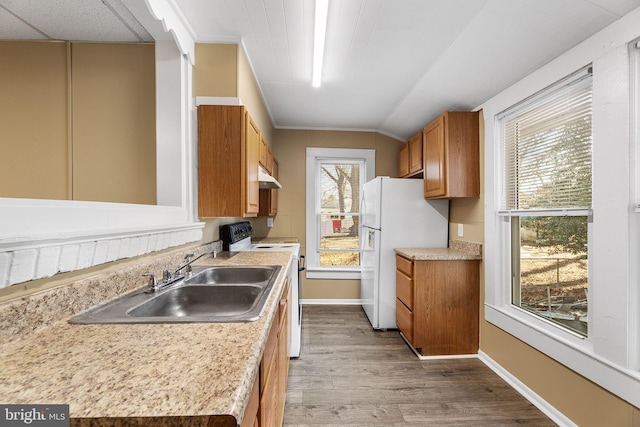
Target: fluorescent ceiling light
{"points": [[319, 33]]}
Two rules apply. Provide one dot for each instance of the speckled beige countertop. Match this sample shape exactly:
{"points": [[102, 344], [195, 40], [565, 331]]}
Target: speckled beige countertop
{"points": [[180, 374], [457, 250]]}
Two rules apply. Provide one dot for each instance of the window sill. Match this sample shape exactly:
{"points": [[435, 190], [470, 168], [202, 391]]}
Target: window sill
{"points": [[333, 274], [580, 358]]}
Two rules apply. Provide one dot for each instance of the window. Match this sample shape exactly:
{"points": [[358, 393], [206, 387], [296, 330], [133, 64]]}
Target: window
{"points": [[547, 180], [609, 354], [334, 182]]}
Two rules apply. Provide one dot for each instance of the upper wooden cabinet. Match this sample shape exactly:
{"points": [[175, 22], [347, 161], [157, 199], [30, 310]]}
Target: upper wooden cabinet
{"points": [[266, 156], [269, 198], [403, 160], [410, 157], [452, 156], [228, 156]]}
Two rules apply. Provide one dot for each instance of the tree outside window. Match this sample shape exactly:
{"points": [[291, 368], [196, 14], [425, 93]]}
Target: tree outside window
{"points": [[340, 214]]}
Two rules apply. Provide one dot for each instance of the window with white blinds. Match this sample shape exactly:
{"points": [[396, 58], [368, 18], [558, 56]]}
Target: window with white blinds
{"points": [[548, 148], [547, 152]]}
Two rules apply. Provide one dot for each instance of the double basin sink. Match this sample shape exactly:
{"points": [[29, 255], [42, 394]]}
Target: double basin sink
{"points": [[211, 294]]}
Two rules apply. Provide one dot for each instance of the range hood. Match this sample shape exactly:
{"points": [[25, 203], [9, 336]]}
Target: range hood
{"points": [[266, 181]]}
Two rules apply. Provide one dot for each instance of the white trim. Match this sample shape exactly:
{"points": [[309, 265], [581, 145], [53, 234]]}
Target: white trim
{"points": [[544, 406], [46, 255], [332, 274], [175, 23], [218, 100], [547, 212], [313, 155], [331, 301]]}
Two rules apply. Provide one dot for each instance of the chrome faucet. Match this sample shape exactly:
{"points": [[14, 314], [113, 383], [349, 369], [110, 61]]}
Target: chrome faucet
{"points": [[187, 265], [169, 277]]}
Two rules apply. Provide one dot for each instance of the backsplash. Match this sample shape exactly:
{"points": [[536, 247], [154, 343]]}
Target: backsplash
{"points": [[27, 314], [465, 246]]}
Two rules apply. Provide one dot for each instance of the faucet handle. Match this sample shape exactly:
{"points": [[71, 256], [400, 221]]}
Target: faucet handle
{"points": [[188, 256], [153, 281]]}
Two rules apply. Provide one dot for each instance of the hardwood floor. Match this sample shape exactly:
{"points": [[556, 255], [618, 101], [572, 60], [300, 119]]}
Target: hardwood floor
{"points": [[350, 375]]}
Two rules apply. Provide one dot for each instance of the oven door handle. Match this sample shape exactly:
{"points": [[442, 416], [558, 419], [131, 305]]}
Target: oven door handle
{"points": [[304, 263]]}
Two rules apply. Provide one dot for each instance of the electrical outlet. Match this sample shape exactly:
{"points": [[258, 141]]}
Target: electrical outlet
{"points": [[269, 222], [460, 230]]}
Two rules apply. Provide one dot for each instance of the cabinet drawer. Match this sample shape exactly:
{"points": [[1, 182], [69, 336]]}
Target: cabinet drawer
{"points": [[404, 289], [405, 265], [404, 320]]}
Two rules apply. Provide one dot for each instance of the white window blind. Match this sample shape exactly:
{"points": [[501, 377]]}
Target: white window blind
{"points": [[548, 148]]}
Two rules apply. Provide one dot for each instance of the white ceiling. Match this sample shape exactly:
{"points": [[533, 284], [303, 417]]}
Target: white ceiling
{"points": [[390, 65]]}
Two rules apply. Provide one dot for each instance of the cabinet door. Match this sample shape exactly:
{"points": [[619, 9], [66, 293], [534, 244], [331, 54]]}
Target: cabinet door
{"points": [[250, 417], [283, 353], [446, 307], [252, 158], [273, 199], [415, 153], [435, 171], [263, 153], [403, 160]]}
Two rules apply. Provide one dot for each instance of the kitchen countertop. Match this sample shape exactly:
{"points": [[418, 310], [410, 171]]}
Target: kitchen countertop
{"points": [[183, 374], [458, 250]]}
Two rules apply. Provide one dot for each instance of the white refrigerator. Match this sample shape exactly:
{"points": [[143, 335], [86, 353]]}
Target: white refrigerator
{"points": [[394, 214]]}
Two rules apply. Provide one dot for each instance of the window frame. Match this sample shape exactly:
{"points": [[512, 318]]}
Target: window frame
{"points": [[510, 208], [609, 357], [314, 156]]}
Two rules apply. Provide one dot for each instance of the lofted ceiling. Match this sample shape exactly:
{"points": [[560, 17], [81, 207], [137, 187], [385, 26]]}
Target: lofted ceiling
{"points": [[390, 65]]}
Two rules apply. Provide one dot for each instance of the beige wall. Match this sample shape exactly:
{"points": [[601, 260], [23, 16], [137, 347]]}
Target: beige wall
{"points": [[290, 148], [114, 122], [216, 70], [249, 93], [77, 121], [34, 121]]}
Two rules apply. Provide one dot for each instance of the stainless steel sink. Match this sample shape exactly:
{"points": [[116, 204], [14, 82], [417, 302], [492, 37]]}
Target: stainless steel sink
{"points": [[215, 294]]}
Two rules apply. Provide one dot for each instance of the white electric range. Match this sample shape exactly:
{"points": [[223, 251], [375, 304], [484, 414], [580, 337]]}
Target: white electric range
{"points": [[237, 237]]}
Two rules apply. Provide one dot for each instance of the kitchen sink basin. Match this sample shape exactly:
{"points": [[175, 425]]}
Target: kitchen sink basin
{"points": [[232, 275], [200, 300], [214, 294]]}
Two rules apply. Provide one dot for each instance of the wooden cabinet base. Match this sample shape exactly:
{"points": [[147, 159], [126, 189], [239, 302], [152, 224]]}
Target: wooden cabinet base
{"points": [[443, 356], [437, 306]]}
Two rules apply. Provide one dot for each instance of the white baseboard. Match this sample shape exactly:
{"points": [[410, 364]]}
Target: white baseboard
{"points": [[447, 356], [331, 301], [551, 412]]}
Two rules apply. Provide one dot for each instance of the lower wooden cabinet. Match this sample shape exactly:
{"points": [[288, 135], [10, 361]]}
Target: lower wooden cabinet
{"points": [[437, 305], [274, 368], [250, 418]]}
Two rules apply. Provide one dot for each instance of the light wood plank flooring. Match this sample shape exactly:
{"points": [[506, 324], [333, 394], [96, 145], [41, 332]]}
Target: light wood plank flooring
{"points": [[350, 375]]}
